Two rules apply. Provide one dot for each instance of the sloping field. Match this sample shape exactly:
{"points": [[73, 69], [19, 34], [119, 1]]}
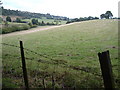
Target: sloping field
{"points": [[68, 54]]}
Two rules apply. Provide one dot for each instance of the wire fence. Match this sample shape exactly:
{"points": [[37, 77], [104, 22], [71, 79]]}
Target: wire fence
{"points": [[54, 61], [41, 58]]}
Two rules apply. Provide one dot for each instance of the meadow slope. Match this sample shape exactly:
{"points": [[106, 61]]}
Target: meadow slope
{"points": [[69, 53]]}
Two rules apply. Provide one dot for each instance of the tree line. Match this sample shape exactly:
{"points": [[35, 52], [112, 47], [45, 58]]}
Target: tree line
{"points": [[107, 15], [81, 19], [28, 15], [33, 21]]}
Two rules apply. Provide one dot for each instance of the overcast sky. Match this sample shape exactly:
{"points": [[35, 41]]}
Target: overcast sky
{"points": [[69, 8]]}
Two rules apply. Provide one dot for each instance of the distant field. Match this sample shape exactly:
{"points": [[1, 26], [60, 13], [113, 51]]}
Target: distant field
{"points": [[46, 20], [67, 49], [8, 27]]}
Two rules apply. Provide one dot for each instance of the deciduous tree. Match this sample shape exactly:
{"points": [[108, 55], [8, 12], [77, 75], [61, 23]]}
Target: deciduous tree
{"points": [[8, 19], [108, 14]]}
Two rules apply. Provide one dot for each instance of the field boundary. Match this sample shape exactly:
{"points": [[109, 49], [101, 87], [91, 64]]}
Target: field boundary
{"points": [[104, 60]]}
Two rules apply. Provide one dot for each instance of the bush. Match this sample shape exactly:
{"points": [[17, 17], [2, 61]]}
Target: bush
{"points": [[14, 28], [50, 23], [8, 19], [35, 21], [31, 25], [18, 20]]}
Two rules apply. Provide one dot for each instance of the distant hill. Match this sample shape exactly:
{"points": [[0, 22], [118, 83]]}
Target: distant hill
{"points": [[26, 14]]}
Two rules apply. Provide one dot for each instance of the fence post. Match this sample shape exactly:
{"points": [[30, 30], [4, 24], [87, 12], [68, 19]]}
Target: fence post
{"points": [[53, 82], [43, 81], [24, 65], [106, 68]]}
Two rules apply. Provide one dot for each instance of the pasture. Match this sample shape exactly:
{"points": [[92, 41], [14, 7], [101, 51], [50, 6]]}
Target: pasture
{"points": [[62, 52], [47, 20]]}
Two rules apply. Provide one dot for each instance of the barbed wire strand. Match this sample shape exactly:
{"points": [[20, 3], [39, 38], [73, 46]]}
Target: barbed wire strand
{"points": [[29, 50], [48, 62]]}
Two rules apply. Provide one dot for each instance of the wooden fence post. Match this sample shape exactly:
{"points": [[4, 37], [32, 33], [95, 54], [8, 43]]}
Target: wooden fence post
{"points": [[53, 82], [24, 66], [43, 81], [106, 68]]}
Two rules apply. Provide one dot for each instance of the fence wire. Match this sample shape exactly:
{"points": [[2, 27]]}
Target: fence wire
{"points": [[54, 61]]}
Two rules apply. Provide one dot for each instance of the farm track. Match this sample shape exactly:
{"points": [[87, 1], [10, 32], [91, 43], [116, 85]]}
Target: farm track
{"points": [[34, 30]]}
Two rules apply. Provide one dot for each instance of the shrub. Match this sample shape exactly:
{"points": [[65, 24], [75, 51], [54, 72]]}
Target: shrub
{"points": [[14, 28], [8, 19], [18, 20], [31, 25], [35, 21]]}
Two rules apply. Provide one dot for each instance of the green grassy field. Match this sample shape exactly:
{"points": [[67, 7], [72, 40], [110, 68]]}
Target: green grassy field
{"points": [[67, 49], [46, 20]]}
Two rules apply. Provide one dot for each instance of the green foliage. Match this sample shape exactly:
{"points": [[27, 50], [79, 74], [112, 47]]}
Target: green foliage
{"points": [[1, 20], [102, 16], [43, 23], [69, 80], [28, 15], [31, 25], [81, 19], [8, 19], [8, 83], [107, 15], [6, 23], [18, 20], [50, 21], [13, 28], [35, 21]]}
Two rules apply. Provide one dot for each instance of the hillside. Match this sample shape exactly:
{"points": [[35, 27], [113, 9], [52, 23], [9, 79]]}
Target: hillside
{"points": [[68, 53], [28, 15]]}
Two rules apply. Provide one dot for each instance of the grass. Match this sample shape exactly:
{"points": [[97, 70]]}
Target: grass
{"points": [[46, 20], [71, 48]]}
